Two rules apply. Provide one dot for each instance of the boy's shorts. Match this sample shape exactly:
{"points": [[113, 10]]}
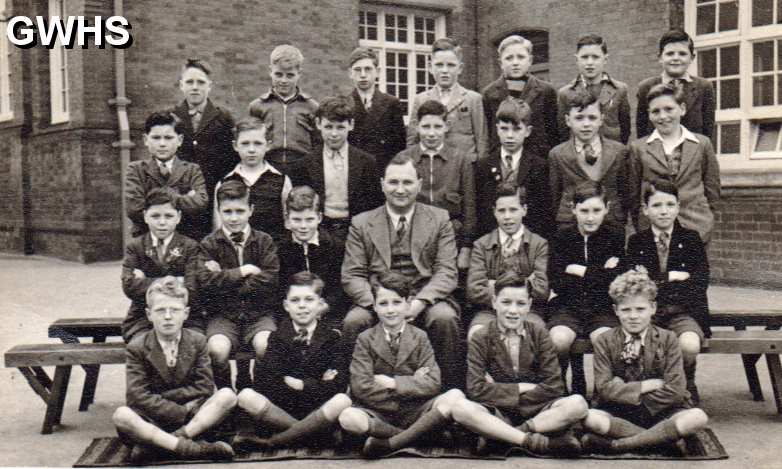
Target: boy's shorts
{"points": [[583, 322], [639, 414], [679, 324], [402, 418], [516, 417], [240, 331], [483, 318]]}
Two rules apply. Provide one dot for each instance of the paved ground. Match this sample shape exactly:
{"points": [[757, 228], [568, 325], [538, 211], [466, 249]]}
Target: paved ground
{"points": [[35, 291]]}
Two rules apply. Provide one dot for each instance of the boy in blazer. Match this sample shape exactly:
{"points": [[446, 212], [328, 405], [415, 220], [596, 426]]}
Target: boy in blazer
{"points": [[207, 133], [591, 58], [160, 253], [299, 386], [379, 127], [641, 400], [515, 162], [675, 56], [676, 260], [515, 56], [181, 179], [170, 392], [464, 111]]}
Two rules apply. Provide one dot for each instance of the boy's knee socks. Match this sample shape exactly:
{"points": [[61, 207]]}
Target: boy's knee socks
{"points": [[275, 417], [663, 432], [381, 429], [621, 428]]}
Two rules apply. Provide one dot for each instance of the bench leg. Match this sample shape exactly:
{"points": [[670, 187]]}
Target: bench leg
{"points": [[90, 381], [775, 373], [749, 361], [54, 407], [38, 380]]}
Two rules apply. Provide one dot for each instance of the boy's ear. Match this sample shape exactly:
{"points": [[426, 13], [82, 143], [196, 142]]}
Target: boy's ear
{"points": [[615, 310], [148, 311], [684, 108], [187, 312], [180, 139]]}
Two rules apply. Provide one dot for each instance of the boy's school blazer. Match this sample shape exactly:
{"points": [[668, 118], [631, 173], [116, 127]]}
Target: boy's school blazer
{"points": [[615, 103], [698, 99], [379, 130]]}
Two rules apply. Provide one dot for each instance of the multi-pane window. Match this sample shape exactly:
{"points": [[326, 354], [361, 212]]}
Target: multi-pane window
{"points": [[58, 71], [6, 112], [716, 16], [403, 39]]}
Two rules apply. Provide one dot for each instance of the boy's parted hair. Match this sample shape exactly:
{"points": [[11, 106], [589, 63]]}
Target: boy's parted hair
{"points": [[676, 35], [447, 44], [164, 118], [306, 279], [431, 108], [634, 282], [592, 40], [233, 190], [360, 53], [246, 124], [196, 63], [510, 189], [510, 279], [159, 196], [515, 111], [169, 286], [336, 109], [660, 185], [514, 39], [663, 89], [393, 281], [581, 100], [302, 198], [588, 189], [286, 55]]}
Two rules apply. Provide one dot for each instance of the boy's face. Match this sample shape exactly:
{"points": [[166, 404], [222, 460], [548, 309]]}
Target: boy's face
{"points": [[251, 146], [390, 308], [167, 315], [364, 74], [235, 214], [284, 79], [509, 213], [666, 114], [401, 186], [303, 224], [515, 61], [662, 210], [512, 305], [334, 133], [512, 136], [195, 85], [162, 142], [431, 131], [635, 313], [591, 61], [303, 305], [590, 214], [445, 66], [585, 123], [162, 220], [676, 58]]}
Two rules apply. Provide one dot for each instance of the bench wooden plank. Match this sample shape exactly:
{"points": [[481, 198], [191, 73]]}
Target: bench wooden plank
{"points": [[109, 326], [745, 342], [65, 354]]}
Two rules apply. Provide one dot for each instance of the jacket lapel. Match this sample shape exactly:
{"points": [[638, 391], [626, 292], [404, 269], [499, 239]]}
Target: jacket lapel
{"points": [[185, 358], [406, 346], [380, 235], [655, 149], [156, 356], [184, 116], [458, 95], [353, 173], [210, 112], [421, 231], [650, 348], [607, 157], [531, 90], [607, 94], [317, 171], [571, 160], [499, 351], [381, 347], [177, 172], [689, 150], [525, 165]]}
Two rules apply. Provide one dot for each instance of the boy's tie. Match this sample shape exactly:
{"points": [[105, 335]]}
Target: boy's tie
{"points": [[301, 337], [393, 342], [589, 154], [663, 241], [401, 229], [164, 171], [507, 247], [195, 117], [367, 103], [238, 239], [510, 174], [161, 250], [631, 355]]}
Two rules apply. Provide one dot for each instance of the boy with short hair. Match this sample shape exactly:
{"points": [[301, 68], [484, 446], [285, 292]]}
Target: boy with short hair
{"points": [[676, 260], [181, 179], [268, 186], [289, 114], [591, 58], [639, 381], [170, 392], [464, 113], [514, 162], [304, 372], [446, 174], [379, 127], [675, 55], [160, 253], [511, 247], [238, 273]]}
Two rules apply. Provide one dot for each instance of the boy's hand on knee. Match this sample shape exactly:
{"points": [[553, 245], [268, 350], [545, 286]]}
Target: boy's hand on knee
{"points": [[678, 276], [329, 375], [213, 266], [611, 263], [526, 387], [294, 383], [416, 307], [576, 269], [138, 274]]}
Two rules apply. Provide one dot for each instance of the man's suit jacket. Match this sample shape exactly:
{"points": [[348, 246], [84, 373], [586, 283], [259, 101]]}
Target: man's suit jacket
{"points": [[615, 103], [379, 130], [662, 359], [160, 393], [368, 253], [144, 175], [532, 174], [372, 356], [686, 253], [698, 181], [542, 100], [364, 191], [467, 126], [538, 364], [698, 99], [565, 174]]}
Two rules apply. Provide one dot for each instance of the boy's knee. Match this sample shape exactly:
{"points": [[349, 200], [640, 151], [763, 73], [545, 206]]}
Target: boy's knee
{"points": [[354, 421], [698, 417], [123, 417], [261, 343], [597, 421], [356, 320], [226, 398], [442, 315], [690, 343], [576, 407], [444, 404], [562, 338], [597, 333], [463, 410], [251, 400], [219, 348], [336, 405]]}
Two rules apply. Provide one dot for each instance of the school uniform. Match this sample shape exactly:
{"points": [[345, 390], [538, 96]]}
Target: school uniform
{"points": [[529, 170], [465, 117], [180, 177], [698, 98], [692, 166], [541, 97], [306, 357], [378, 129], [613, 97], [374, 355], [525, 355], [568, 168], [179, 259]]}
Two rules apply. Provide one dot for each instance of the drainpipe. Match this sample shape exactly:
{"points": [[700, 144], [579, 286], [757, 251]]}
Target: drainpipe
{"points": [[122, 102]]}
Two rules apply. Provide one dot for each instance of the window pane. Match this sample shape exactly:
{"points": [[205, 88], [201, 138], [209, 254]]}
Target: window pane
{"points": [[372, 18], [419, 37], [779, 8], [418, 22], [729, 94], [763, 91], [729, 138], [768, 134], [779, 89], [707, 63], [705, 19], [763, 56], [729, 16], [372, 33], [729, 61], [762, 12]]}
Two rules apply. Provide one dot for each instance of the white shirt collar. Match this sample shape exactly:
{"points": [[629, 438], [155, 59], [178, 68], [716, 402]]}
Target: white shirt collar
{"points": [[597, 146], [166, 241], [515, 157], [168, 164], [343, 150], [395, 218], [246, 232], [628, 337], [314, 240], [429, 151], [310, 329], [604, 77], [388, 334], [656, 231], [169, 343], [516, 236], [668, 79], [685, 135], [366, 95], [251, 177]]}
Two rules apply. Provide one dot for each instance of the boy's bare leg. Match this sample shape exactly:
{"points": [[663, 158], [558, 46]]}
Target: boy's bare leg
{"points": [[477, 418], [358, 422], [219, 351], [141, 431], [603, 423], [683, 423], [563, 413], [211, 413], [263, 411], [562, 337], [690, 344], [261, 343]]}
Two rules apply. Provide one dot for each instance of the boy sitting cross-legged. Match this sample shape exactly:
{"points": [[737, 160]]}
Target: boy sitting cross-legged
{"points": [[170, 392], [641, 399]]}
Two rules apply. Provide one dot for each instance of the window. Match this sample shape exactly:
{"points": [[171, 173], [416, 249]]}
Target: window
{"points": [[58, 71], [6, 112], [739, 49], [403, 39]]}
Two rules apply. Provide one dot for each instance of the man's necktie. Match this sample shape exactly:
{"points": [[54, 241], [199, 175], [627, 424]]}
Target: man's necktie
{"points": [[589, 154], [663, 242], [401, 229], [301, 337], [393, 342]]}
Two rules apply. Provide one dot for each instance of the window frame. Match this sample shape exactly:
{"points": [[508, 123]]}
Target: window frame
{"points": [[6, 108], [59, 84]]}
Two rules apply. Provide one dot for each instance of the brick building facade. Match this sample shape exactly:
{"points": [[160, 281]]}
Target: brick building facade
{"points": [[61, 175]]}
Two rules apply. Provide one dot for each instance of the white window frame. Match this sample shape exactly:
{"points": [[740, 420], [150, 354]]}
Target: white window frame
{"points": [[58, 72], [409, 47], [746, 114], [6, 110]]}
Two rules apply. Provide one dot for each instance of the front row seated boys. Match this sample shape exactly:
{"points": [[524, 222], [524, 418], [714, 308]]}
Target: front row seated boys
{"points": [[642, 400], [171, 398]]}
